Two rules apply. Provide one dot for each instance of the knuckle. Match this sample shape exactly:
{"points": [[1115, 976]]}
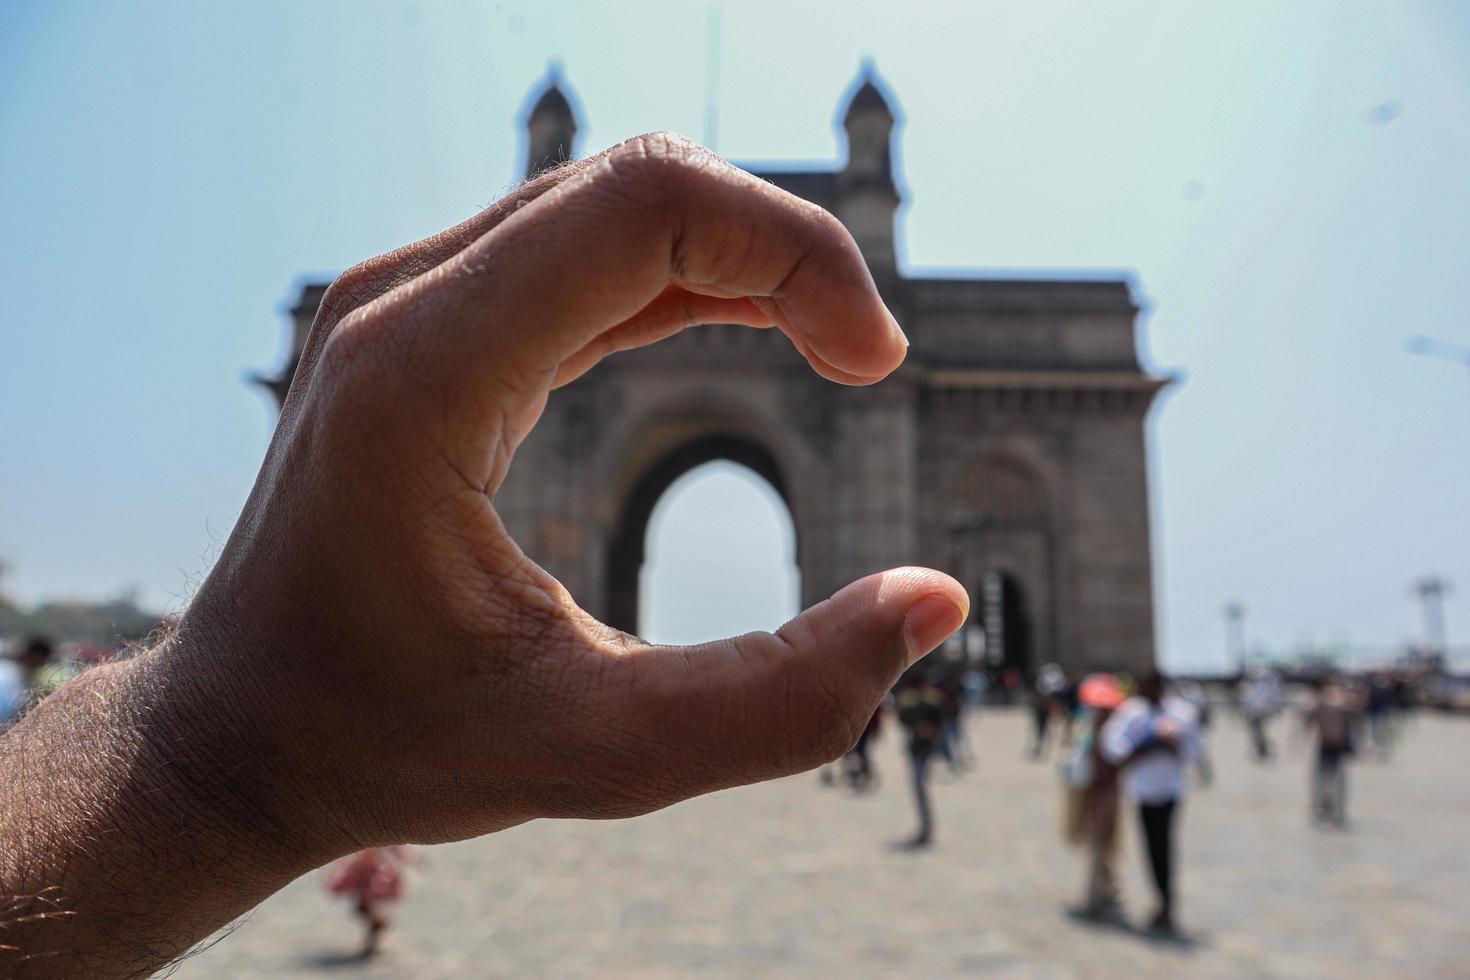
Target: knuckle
{"points": [[662, 164], [341, 307], [348, 292], [345, 347], [668, 148]]}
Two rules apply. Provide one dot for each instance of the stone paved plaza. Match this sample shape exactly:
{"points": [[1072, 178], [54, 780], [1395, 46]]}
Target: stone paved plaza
{"points": [[793, 879]]}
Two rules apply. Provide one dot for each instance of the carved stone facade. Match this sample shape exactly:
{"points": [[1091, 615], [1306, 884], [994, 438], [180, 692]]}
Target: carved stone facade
{"points": [[1009, 449]]}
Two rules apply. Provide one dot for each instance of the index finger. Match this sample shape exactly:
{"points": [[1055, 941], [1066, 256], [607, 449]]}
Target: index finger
{"points": [[593, 251]]}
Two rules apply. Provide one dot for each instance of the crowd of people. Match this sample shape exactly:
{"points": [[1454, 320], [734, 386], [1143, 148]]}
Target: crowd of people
{"points": [[1131, 743], [1338, 713], [1120, 742]]}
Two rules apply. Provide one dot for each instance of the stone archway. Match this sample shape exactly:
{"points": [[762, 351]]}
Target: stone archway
{"points": [[1002, 533], [1011, 440], [628, 540]]}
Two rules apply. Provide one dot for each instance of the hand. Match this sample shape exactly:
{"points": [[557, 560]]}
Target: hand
{"points": [[373, 661], [374, 632]]}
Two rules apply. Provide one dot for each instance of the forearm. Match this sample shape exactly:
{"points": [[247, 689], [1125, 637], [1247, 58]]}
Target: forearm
{"points": [[133, 822]]}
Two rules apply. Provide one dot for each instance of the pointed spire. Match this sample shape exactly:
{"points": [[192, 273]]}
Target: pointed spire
{"points": [[868, 194], [553, 101], [868, 98], [868, 123], [551, 125]]}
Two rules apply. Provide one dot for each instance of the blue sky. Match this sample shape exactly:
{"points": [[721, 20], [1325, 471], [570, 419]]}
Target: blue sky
{"points": [[168, 170]]}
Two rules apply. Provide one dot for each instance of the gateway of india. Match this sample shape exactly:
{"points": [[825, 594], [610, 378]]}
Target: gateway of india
{"points": [[1009, 449]]}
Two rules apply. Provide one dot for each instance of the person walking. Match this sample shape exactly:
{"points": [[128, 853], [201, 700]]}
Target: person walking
{"points": [[372, 879], [919, 705], [1046, 702], [1154, 738], [951, 746], [1332, 716], [857, 765], [1194, 692], [1093, 798], [1260, 698], [1379, 709]]}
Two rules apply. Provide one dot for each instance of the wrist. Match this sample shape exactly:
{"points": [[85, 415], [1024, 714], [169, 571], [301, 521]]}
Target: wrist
{"points": [[148, 758], [227, 750]]}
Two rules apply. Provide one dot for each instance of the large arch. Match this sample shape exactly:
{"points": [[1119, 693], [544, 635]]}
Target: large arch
{"points": [[628, 541], [1010, 441]]}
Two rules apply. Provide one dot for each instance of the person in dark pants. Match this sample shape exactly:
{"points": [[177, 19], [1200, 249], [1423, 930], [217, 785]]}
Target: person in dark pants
{"points": [[857, 765], [1157, 823], [1332, 715], [1260, 699], [1046, 706], [919, 705], [1154, 739], [1379, 709]]}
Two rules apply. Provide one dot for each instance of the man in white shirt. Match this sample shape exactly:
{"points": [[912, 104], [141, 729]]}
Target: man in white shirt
{"points": [[1154, 739], [1260, 698]]}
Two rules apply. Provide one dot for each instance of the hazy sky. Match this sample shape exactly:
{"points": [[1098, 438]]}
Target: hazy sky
{"points": [[1286, 182]]}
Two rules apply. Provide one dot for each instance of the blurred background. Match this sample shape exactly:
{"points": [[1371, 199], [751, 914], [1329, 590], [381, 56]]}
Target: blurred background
{"points": [[1283, 186]]}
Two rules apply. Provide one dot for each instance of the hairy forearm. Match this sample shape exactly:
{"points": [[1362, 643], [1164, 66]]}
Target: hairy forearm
{"points": [[134, 822]]}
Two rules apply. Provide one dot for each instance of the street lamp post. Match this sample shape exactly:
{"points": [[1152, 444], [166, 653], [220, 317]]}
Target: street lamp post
{"points": [[1431, 590]]}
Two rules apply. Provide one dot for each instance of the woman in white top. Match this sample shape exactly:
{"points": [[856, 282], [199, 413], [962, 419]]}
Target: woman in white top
{"points": [[1154, 739]]}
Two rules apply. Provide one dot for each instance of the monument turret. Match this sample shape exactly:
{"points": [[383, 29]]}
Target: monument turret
{"points": [[867, 196], [551, 127]]}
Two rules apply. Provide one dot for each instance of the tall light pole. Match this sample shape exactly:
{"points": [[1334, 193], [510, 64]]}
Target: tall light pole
{"points": [[1235, 633], [1431, 590]]}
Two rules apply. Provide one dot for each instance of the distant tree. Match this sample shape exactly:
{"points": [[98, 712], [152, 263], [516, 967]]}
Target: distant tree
{"points": [[114, 621]]}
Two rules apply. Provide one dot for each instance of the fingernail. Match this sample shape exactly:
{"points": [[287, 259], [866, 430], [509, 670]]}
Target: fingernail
{"points": [[930, 622]]}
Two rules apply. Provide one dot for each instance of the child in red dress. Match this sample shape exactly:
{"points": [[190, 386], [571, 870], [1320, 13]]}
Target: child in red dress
{"points": [[372, 878]]}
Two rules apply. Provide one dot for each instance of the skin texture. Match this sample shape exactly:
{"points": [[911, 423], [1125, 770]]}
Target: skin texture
{"points": [[373, 660]]}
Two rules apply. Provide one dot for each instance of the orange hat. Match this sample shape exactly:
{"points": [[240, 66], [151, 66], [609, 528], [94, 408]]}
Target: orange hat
{"points": [[1101, 691]]}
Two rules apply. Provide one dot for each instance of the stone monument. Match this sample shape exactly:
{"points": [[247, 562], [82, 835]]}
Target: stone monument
{"points": [[1009, 450]]}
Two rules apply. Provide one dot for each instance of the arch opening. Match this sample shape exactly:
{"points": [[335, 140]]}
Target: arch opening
{"points": [[1005, 626], [705, 546]]}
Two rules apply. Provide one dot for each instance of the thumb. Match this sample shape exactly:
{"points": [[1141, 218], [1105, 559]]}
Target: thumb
{"points": [[871, 631], [763, 705]]}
